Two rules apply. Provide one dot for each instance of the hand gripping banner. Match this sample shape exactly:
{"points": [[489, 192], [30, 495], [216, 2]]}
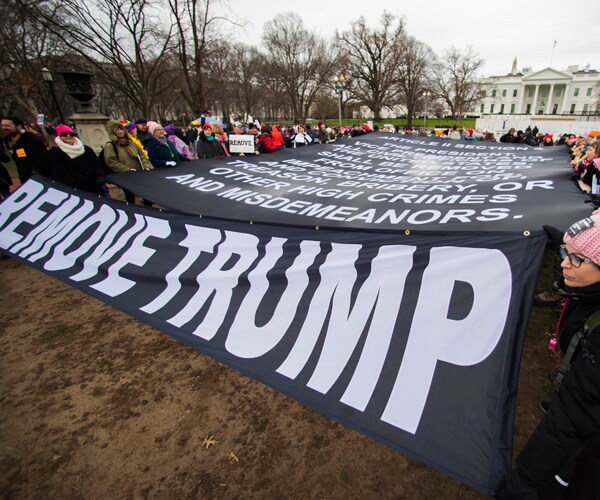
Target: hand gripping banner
{"points": [[413, 340]]}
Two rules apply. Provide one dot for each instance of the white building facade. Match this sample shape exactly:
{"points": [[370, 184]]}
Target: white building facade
{"points": [[545, 92]]}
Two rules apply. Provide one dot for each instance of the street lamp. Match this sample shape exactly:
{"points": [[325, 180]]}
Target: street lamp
{"points": [[47, 76], [426, 94], [340, 85]]}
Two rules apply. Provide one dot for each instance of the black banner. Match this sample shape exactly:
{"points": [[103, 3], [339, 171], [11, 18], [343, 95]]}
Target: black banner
{"points": [[377, 181], [411, 339]]}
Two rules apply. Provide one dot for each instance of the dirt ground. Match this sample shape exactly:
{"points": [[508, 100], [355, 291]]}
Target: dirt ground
{"points": [[94, 404]]}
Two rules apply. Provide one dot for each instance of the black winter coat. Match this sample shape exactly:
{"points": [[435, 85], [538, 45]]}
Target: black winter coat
{"points": [[209, 149], [31, 156], [82, 172], [567, 440]]}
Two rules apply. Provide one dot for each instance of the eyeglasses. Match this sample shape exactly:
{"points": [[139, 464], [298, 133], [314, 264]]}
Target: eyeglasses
{"points": [[70, 134], [575, 260]]}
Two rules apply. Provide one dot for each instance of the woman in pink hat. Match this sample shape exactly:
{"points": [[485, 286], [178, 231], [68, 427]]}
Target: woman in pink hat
{"points": [[562, 457], [74, 164]]}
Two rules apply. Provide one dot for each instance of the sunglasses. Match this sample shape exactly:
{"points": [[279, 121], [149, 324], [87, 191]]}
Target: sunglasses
{"points": [[70, 134], [575, 260]]}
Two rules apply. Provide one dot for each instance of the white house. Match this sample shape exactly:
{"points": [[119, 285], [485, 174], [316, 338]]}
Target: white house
{"points": [[544, 92]]}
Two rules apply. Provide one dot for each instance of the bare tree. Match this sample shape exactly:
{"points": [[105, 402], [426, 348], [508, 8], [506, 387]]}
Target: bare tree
{"points": [[248, 72], [455, 80], [300, 62], [413, 75], [373, 57], [121, 33], [26, 48], [197, 30]]}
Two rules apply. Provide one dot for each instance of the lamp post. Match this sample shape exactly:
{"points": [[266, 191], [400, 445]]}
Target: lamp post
{"points": [[47, 76], [426, 95], [340, 85]]}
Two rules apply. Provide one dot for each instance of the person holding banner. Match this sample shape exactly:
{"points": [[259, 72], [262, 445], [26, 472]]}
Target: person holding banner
{"points": [[208, 145], [562, 457], [121, 154], [161, 151], [73, 163]]}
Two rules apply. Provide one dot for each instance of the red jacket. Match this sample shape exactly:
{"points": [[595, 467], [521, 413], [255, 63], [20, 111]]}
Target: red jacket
{"points": [[267, 141]]}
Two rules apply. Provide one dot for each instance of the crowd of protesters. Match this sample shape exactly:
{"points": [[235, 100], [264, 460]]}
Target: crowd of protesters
{"points": [[145, 144]]}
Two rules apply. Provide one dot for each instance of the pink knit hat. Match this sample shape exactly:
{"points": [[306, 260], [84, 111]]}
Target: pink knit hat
{"points": [[152, 126], [584, 236], [62, 129]]}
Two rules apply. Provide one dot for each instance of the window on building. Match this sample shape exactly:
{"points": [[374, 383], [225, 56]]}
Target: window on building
{"points": [[576, 93], [504, 93], [492, 108], [515, 93], [558, 92], [588, 92], [555, 109], [494, 93], [512, 108], [572, 110], [501, 108], [585, 108], [482, 109], [531, 91], [528, 109]]}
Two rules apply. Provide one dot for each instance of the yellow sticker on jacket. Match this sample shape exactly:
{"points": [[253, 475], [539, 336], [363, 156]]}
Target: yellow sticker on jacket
{"points": [[21, 153]]}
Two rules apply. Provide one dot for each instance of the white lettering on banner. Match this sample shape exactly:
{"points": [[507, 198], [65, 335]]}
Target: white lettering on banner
{"points": [[108, 248], [137, 254], [17, 201], [338, 276], [434, 337], [45, 229], [198, 240], [32, 216], [379, 296], [63, 229], [217, 280], [245, 339], [104, 219]]}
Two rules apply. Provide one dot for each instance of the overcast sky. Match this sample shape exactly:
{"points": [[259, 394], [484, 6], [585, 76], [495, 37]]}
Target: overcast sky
{"points": [[498, 31]]}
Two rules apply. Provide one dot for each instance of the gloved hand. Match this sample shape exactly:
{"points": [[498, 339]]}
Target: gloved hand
{"points": [[170, 163]]}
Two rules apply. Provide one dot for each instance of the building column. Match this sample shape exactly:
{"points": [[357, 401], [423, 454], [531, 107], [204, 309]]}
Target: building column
{"points": [[548, 110], [565, 102], [534, 106], [522, 99]]}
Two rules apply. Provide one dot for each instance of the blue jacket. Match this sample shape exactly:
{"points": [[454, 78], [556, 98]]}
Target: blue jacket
{"points": [[159, 153]]}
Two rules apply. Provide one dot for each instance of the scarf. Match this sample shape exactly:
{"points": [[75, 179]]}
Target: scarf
{"points": [[124, 142], [73, 151]]}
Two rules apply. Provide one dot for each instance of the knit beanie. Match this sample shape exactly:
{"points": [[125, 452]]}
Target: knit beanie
{"points": [[127, 125], [584, 236], [62, 129], [170, 129], [152, 126]]}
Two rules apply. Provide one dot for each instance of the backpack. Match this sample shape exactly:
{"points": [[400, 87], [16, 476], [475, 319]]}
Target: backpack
{"points": [[104, 168], [260, 147], [591, 324]]}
